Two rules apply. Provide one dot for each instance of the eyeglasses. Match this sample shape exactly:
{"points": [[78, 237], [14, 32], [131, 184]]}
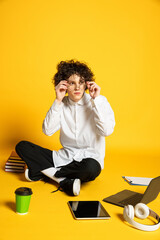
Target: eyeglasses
{"points": [[73, 85]]}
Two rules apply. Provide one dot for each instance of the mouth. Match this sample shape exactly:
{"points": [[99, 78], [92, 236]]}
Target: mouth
{"points": [[77, 93]]}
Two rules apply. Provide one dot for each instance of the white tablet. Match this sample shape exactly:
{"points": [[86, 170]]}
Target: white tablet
{"points": [[88, 210]]}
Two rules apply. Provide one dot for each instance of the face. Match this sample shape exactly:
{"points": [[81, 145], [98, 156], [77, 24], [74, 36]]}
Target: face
{"points": [[76, 87]]}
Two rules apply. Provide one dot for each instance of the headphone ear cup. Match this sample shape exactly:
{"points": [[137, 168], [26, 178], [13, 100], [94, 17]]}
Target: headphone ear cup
{"points": [[141, 211], [129, 211]]}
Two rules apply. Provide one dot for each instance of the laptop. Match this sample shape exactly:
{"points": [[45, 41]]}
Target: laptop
{"points": [[127, 197]]}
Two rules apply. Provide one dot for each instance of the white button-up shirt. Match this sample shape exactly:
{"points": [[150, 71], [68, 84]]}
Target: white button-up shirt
{"points": [[83, 126]]}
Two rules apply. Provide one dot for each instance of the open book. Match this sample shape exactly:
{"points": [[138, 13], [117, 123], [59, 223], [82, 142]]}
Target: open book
{"points": [[142, 181]]}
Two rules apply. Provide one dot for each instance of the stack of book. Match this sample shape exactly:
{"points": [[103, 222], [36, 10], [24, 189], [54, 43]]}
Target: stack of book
{"points": [[14, 163]]}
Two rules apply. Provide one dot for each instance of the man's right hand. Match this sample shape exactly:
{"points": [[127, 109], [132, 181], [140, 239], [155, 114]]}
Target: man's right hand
{"points": [[61, 90]]}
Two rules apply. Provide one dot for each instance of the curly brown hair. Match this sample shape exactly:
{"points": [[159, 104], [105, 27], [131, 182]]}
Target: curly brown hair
{"points": [[67, 68]]}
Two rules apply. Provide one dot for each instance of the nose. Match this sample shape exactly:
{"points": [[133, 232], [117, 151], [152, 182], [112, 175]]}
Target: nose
{"points": [[77, 86]]}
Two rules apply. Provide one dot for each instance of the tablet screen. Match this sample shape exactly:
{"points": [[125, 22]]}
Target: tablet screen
{"points": [[88, 210]]}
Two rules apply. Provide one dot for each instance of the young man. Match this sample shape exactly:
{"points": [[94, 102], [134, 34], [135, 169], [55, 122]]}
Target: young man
{"points": [[83, 120]]}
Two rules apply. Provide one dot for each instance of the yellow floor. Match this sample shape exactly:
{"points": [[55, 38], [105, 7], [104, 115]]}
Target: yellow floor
{"points": [[49, 216]]}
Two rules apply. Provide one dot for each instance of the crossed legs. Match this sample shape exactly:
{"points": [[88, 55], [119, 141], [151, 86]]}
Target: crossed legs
{"points": [[39, 161]]}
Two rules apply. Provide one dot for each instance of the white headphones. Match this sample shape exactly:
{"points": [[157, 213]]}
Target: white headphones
{"points": [[141, 211]]}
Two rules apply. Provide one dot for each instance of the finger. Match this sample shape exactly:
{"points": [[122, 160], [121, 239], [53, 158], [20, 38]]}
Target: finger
{"points": [[93, 85], [63, 82], [92, 88], [90, 82], [96, 88], [59, 87], [63, 87], [89, 86]]}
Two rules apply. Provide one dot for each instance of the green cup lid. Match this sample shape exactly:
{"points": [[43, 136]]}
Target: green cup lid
{"points": [[23, 191]]}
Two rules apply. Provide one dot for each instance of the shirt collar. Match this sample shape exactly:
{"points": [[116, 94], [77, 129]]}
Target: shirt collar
{"points": [[84, 100]]}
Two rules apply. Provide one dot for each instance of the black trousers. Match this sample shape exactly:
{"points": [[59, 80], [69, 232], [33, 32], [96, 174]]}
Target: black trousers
{"points": [[38, 158]]}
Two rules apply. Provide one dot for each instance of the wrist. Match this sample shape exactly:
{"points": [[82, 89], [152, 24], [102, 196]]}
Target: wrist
{"points": [[58, 101], [95, 95]]}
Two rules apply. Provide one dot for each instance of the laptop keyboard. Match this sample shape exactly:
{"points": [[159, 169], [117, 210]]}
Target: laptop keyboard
{"points": [[133, 200]]}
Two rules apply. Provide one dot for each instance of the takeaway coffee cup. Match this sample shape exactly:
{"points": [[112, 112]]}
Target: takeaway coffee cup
{"points": [[23, 197]]}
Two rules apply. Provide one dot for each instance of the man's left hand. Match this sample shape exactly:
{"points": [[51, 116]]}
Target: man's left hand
{"points": [[94, 89]]}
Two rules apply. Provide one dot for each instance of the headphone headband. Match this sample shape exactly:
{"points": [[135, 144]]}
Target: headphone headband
{"points": [[127, 214], [154, 215]]}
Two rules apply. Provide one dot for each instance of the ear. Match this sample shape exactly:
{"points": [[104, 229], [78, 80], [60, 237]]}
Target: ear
{"points": [[130, 211], [141, 211]]}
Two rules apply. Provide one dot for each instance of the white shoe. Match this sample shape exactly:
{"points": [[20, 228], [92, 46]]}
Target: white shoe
{"points": [[71, 186], [28, 178], [27, 175], [76, 187]]}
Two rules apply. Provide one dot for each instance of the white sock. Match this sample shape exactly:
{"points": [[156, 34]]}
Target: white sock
{"points": [[49, 172]]}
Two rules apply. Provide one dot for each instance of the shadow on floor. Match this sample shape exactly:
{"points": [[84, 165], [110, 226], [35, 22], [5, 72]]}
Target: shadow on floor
{"points": [[11, 206]]}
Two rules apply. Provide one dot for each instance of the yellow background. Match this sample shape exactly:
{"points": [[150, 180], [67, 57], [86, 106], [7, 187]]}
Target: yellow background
{"points": [[120, 42]]}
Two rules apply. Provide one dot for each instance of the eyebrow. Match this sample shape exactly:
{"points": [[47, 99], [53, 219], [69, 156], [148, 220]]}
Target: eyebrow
{"points": [[81, 79], [73, 81]]}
